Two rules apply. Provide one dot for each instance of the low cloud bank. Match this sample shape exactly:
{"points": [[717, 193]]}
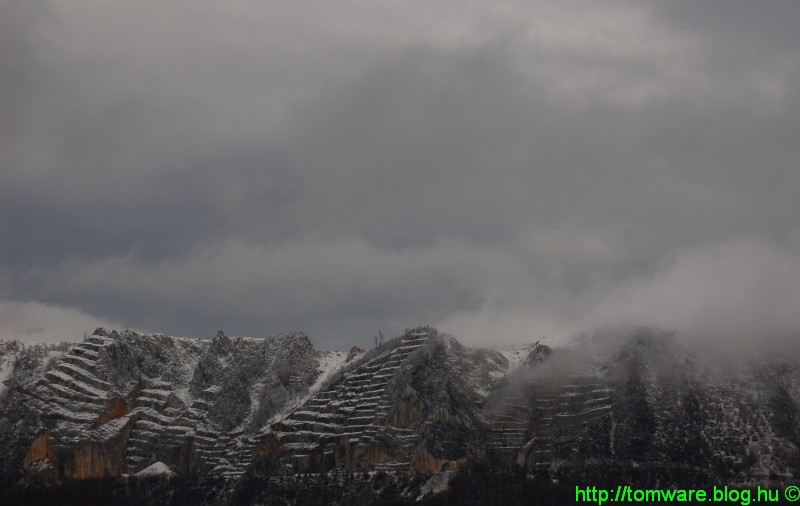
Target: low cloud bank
{"points": [[738, 292], [735, 293], [35, 322]]}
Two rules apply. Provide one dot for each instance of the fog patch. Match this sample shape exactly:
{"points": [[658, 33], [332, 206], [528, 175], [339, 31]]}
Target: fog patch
{"points": [[36, 322]]}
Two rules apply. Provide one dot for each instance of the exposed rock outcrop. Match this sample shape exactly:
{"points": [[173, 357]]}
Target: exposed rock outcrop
{"points": [[39, 450]]}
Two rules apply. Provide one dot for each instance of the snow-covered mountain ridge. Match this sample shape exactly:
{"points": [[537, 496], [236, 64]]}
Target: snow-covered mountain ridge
{"points": [[121, 402]]}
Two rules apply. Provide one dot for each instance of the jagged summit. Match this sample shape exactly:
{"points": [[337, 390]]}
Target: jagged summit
{"points": [[538, 353], [120, 402]]}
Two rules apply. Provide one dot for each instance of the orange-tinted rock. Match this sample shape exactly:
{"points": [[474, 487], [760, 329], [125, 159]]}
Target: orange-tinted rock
{"points": [[405, 415], [118, 409], [425, 463], [179, 458], [97, 459], [88, 462], [269, 445], [40, 449]]}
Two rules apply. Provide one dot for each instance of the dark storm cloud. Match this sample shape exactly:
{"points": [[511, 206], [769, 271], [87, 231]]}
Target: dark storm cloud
{"points": [[510, 172]]}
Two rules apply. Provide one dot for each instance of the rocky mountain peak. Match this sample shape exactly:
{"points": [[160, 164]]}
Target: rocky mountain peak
{"points": [[121, 402], [538, 353]]}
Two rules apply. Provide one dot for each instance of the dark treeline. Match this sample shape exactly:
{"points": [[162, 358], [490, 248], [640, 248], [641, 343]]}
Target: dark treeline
{"points": [[479, 486]]}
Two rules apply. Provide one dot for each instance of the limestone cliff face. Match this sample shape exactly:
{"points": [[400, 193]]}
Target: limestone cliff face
{"points": [[118, 408], [406, 412], [426, 463], [436, 395], [95, 460], [421, 403], [40, 460], [39, 450], [408, 405], [88, 459]]}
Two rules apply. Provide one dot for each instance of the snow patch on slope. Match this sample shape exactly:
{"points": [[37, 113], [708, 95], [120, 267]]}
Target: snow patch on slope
{"points": [[329, 362], [516, 357], [157, 469], [6, 365], [436, 484], [517, 353]]}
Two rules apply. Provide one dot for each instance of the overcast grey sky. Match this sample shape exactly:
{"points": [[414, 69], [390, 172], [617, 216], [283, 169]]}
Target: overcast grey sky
{"points": [[503, 170]]}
